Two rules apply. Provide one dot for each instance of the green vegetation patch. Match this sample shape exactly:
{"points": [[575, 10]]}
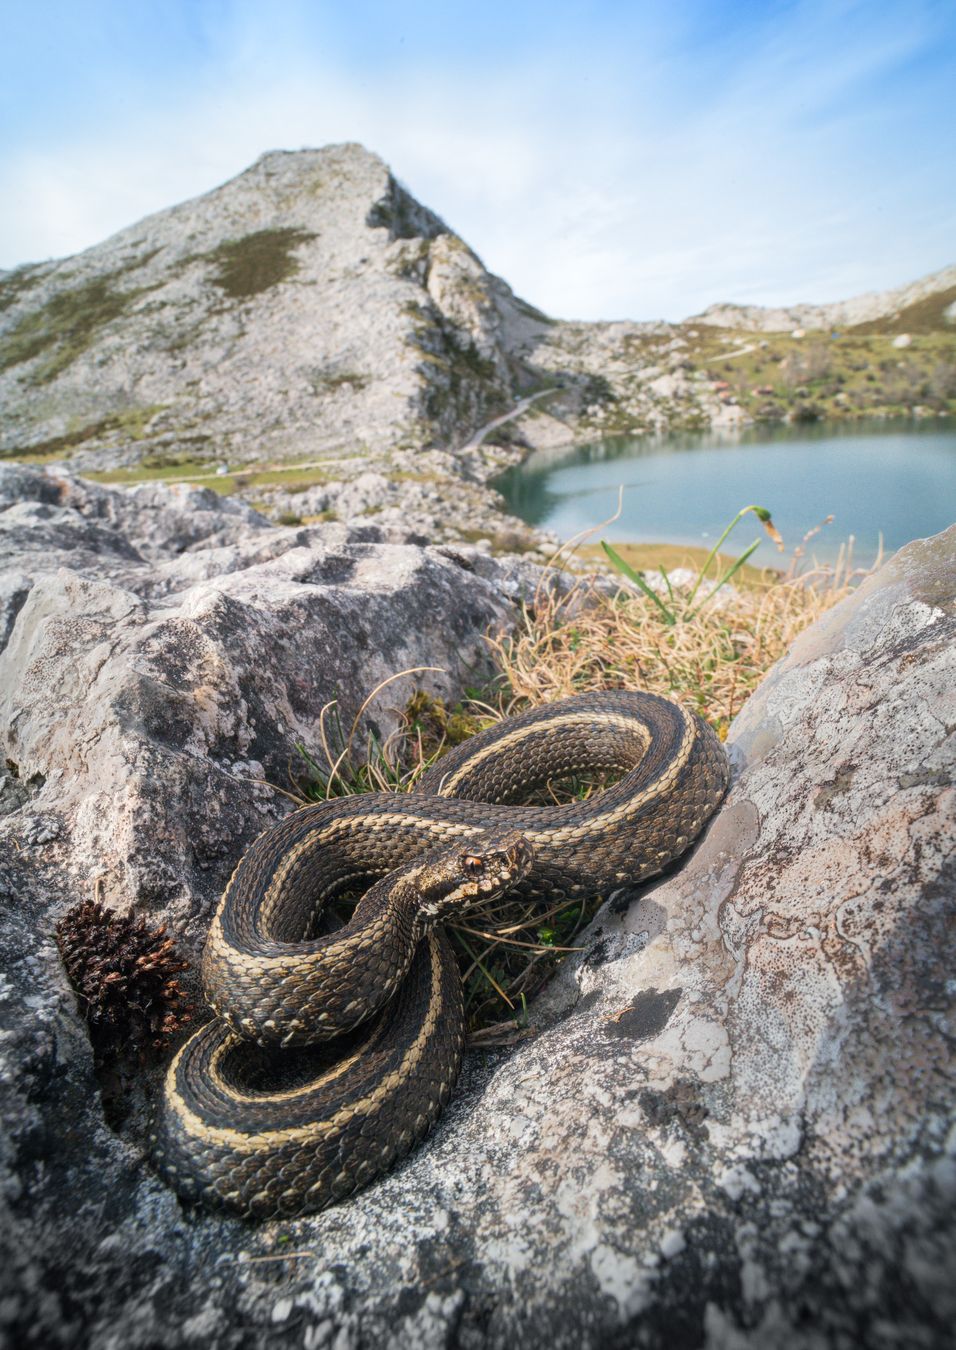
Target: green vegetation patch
{"points": [[923, 316], [332, 380], [598, 389], [67, 325], [291, 479], [17, 282], [256, 262], [131, 423], [171, 459], [180, 468], [838, 375], [463, 367]]}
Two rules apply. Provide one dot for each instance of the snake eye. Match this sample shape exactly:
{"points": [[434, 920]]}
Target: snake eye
{"points": [[472, 865]]}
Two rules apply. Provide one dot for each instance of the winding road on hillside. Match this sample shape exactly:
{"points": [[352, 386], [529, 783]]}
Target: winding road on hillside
{"points": [[476, 439]]}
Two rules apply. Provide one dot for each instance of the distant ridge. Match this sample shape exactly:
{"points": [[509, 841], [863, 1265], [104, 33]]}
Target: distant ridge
{"points": [[923, 306]]}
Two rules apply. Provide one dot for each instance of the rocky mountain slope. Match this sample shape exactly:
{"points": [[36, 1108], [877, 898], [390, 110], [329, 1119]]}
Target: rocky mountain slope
{"points": [[307, 304]]}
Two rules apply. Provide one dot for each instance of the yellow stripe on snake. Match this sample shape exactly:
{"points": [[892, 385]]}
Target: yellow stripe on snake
{"points": [[254, 1122]]}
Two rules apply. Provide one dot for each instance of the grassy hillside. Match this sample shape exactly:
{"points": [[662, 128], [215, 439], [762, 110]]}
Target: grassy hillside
{"points": [[836, 375], [925, 316]]}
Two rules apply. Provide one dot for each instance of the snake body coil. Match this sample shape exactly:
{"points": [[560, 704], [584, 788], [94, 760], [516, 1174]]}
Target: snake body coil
{"points": [[230, 1132]]}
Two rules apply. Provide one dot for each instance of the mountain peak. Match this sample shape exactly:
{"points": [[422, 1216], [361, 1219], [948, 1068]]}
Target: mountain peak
{"points": [[309, 302]]}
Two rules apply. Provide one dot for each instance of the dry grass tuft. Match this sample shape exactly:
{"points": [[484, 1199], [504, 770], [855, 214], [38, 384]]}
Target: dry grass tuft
{"points": [[589, 638]]}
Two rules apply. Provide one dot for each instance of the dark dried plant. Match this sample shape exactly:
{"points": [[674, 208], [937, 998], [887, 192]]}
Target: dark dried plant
{"points": [[125, 974]]}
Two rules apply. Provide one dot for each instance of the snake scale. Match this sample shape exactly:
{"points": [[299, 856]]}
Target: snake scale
{"points": [[330, 1056]]}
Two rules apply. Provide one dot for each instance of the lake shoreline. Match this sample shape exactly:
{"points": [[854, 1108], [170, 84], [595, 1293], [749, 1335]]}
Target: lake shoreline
{"points": [[831, 488]]}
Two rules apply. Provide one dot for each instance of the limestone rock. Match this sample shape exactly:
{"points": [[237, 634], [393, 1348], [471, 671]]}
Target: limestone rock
{"points": [[733, 1126]]}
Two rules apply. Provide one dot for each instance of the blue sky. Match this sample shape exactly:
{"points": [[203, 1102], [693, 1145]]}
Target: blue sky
{"points": [[610, 160]]}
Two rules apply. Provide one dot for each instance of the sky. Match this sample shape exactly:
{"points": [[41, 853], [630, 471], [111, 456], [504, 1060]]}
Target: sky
{"points": [[612, 159]]}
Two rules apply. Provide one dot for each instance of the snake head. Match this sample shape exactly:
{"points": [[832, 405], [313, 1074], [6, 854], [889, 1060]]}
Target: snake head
{"points": [[453, 878]]}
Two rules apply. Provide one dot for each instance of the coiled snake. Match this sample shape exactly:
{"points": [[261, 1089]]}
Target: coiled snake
{"points": [[288, 1131]]}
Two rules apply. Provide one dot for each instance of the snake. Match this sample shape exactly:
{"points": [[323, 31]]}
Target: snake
{"points": [[330, 1054]]}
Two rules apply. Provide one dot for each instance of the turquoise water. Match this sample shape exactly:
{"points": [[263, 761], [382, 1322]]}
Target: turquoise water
{"points": [[895, 479]]}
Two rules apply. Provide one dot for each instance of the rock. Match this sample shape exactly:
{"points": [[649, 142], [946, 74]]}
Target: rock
{"points": [[430, 494], [733, 1125], [367, 490], [163, 637], [51, 516]]}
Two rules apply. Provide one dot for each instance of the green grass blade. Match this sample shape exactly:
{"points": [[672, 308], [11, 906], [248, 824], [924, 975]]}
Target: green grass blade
{"points": [[626, 570], [763, 515], [734, 567]]}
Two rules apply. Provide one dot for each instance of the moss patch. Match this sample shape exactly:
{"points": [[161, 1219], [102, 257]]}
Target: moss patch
{"points": [[439, 727], [256, 262]]}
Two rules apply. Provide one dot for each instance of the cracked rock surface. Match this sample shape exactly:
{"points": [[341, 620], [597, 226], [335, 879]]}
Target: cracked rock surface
{"points": [[733, 1126]]}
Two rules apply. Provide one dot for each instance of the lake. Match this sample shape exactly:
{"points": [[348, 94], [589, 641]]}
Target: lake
{"points": [[897, 479]]}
